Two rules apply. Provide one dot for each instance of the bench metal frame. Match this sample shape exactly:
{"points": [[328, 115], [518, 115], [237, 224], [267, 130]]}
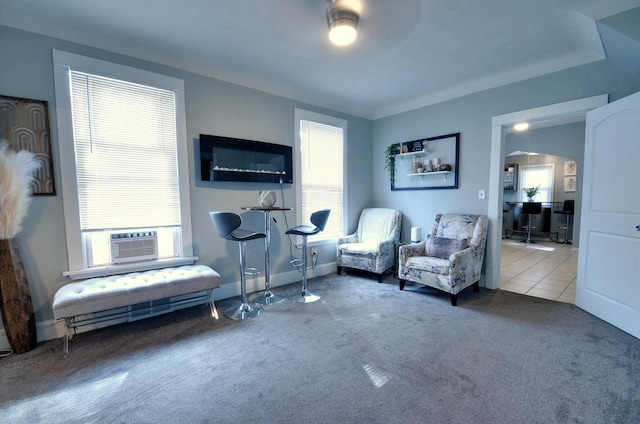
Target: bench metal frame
{"points": [[73, 323]]}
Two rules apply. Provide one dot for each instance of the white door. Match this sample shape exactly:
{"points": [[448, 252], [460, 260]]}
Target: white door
{"points": [[608, 284]]}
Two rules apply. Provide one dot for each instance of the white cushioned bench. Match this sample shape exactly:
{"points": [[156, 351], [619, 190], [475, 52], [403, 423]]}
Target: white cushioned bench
{"points": [[119, 291]]}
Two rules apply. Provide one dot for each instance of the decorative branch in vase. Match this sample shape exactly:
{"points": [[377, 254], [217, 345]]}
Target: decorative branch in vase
{"points": [[16, 175], [531, 192]]}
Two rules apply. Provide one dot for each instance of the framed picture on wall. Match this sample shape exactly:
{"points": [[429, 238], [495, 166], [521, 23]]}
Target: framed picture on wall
{"points": [[427, 164], [24, 124], [569, 167], [570, 184]]}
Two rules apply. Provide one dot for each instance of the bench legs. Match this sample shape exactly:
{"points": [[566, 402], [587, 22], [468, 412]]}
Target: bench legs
{"points": [[212, 305], [69, 332], [70, 323]]}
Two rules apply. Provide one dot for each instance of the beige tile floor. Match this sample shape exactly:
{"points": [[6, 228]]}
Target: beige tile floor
{"points": [[543, 269]]}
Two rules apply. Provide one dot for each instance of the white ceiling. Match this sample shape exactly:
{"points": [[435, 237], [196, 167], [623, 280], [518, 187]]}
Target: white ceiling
{"points": [[409, 53]]}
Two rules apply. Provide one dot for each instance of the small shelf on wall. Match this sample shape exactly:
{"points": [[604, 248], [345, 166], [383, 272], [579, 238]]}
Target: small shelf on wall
{"points": [[510, 177], [427, 174], [411, 154]]}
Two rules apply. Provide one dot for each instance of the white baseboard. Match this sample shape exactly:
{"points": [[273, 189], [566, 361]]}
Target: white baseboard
{"points": [[255, 284], [47, 330], [4, 342], [52, 329]]}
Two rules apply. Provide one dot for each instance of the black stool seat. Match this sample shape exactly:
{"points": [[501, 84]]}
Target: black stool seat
{"points": [[530, 209], [319, 221], [304, 230], [567, 210], [244, 235], [227, 226]]}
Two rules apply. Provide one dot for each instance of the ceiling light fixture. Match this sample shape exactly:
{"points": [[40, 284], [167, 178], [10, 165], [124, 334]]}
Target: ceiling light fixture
{"points": [[521, 126], [343, 25]]}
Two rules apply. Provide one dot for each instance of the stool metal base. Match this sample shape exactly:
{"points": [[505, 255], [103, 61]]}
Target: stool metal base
{"points": [[529, 228], [242, 311], [566, 235], [266, 298], [305, 296]]}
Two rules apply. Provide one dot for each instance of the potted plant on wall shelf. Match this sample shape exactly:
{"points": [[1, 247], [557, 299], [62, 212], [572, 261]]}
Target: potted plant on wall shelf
{"points": [[531, 192], [390, 162], [16, 175]]}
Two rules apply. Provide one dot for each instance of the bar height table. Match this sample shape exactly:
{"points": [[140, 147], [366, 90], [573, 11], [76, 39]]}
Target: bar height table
{"points": [[267, 297]]}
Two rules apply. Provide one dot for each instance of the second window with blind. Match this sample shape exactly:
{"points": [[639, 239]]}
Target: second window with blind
{"points": [[320, 156], [540, 176]]}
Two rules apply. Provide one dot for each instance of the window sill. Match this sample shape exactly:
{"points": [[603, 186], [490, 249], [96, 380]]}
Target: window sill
{"points": [[317, 242], [103, 271]]}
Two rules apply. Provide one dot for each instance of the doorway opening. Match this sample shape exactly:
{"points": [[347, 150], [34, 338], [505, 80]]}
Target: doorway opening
{"points": [[540, 161], [546, 115]]}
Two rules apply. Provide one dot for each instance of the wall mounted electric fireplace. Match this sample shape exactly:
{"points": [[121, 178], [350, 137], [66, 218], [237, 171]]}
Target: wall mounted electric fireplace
{"points": [[234, 159]]}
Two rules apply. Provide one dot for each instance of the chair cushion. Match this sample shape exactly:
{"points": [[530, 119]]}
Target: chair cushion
{"points": [[458, 226], [359, 248], [443, 247], [429, 264]]}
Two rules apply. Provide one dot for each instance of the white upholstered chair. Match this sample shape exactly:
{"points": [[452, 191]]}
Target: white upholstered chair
{"points": [[372, 247], [450, 258]]}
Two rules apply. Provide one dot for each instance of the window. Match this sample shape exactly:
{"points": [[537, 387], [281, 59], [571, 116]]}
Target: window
{"points": [[534, 176], [123, 162], [320, 145]]}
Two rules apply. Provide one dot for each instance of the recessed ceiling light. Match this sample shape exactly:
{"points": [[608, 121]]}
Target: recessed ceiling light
{"points": [[521, 126]]}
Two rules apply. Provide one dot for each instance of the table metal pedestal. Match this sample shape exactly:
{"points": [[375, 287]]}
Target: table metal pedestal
{"points": [[266, 297]]}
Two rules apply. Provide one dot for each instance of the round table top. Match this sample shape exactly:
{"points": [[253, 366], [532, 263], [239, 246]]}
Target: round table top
{"points": [[265, 208]]}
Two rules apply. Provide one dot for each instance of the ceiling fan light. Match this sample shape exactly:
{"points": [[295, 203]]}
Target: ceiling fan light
{"points": [[343, 26]]}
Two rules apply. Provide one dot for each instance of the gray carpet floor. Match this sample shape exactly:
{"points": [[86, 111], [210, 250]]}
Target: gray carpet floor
{"points": [[365, 353]]}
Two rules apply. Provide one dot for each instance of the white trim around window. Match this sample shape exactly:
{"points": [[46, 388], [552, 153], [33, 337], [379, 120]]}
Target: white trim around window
{"points": [[317, 118], [63, 62]]}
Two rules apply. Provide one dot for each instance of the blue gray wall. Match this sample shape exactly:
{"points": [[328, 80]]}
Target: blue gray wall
{"points": [[471, 116], [216, 107], [212, 107]]}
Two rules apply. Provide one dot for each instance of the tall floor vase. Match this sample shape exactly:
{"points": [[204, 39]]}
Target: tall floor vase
{"points": [[15, 299]]}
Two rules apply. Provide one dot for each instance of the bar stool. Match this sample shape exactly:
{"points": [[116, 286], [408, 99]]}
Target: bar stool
{"points": [[530, 209], [319, 221], [227, 225], [567, 211]]}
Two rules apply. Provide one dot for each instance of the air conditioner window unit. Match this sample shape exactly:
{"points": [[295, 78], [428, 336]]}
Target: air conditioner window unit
{"points": [[134, 247]]}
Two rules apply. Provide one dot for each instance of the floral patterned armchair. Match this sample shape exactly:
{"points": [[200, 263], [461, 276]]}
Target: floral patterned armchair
{"points": [[450, 258], [372, 247]]}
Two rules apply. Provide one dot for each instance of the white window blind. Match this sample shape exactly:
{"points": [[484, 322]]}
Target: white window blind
{"points": [[538, 175], [321, 150], [126, 160]]}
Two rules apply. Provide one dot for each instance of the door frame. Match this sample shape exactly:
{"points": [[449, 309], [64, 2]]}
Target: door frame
{"points": [[499, 125]]}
